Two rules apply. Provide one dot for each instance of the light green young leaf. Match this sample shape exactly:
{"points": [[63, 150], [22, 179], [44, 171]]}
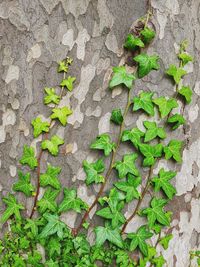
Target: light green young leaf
{"points": [[62, 66], [71, 202], [176, 120], [132, 42], [138, 239], [147, 35], [127, 165], [153, 131], [61, 114], [104, 233], [39, 126], [186, 92], [50, 177], [47, 202], [150, 153], [146, 64], [173, 150], [144, 101], [117, 116], [158, 261], [121, 76], [185, 58], [133, 135], [176, 73], [28, 157], [34, 259], [24, 185], [12, 208], [164, 241], [93, 171], [104, 143], [52, 145], [162, 182], [68, 83], [165, 105], [51, 96]]}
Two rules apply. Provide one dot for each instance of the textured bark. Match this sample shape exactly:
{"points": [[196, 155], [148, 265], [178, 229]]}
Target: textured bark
{"points": [[34, 35]]}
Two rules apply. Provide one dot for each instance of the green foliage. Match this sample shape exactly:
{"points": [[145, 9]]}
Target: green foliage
{"points": [[105, 233], [103, 142], [150, 153], [185, 58], [164, 241], [153, 131], [146, 64], [134, 135], [127, 165], [51, 96], [117, 116], [121, 76], [159, 261], [176, 73], [147, 35], [61, 114], [186, 92], [39, 126], [52, 145], [93, 171], [50, 177], [48, 201], [144, 101], [165, 105], [132, 42], [28, 157], [24, 185], [176, 120], [173, 150], [68, 83]]}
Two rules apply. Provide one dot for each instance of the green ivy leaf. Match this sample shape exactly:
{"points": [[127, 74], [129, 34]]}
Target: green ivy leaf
{"points": [[165, 105], [138, 240], [133, 135], [144, 101], [93, 170], [123, 259], [147, 35], [115, 197], [173, 150], [51, 96], [24, 185], [104, 143], [68, 83], [164, 241], [52, 145], [12, 208], [117, 116], [34, 259], [51, 263], [32, 225], [176, 120], [130, 187], [54, 226], [63, 66], [127, 165], [150, 153], [162, 182], [146, 64], [153, 131], [28, 157], [39, 126], [156, 213], [186, 92], [71, 202], [50, 177], [176, 73], [104, 233], [159, 261], [61, 114], [132, 42], [121, 76], [185, 58], [47, 202]]}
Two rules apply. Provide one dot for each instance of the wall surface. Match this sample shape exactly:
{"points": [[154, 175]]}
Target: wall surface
{"points": [[34, 35]]}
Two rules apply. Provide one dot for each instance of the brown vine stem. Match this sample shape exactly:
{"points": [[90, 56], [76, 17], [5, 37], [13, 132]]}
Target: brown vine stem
{"points": [[39, 159]]}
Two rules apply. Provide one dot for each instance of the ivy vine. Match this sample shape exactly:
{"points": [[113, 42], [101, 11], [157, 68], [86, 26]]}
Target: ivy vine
{"points": [[115, 245]]}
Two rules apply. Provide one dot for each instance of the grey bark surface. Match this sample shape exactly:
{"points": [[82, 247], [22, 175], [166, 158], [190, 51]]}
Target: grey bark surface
{"points": [[35, 35]]}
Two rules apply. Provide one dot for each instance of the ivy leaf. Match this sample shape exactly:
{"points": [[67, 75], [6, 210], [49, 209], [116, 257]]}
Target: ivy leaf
{"points": [[28, 157], [50, 177], [115, 197], [144, 101], [165, 105], [52, 145], [51, 96], [121, 76], [159, 261], [71, 202], [51, 263], [61, 114], [62, 66], [39, 126], [54, 226], [185, 58], [162, 182], [127, 165], [164, 241], [34, 259], [130, 187], [138, 240], [123, 259], [32, 225], [147, 35], [173, 150], [68, 83], [176, 73], [93, 170], [133, 135], [156, 213], [47, 202], [104, 143], [117, 116], [153, 131], [146, 64], [150, 153], [186, 92], [13, 208], [104, 233], [24, 185], [132, 42], [176, 120]]}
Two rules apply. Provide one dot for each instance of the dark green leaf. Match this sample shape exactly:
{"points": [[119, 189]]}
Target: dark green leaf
{"points": [[117, 116], [127, 165], [104, 233], [144, 101], [104, 143], [173, 150], [132, 42], [24, 185], [47, 202], [147, 35], [146, 64], [93, 171], [133, 135], [150, 153], [176, 120], [50, 177], [165, 105]]}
